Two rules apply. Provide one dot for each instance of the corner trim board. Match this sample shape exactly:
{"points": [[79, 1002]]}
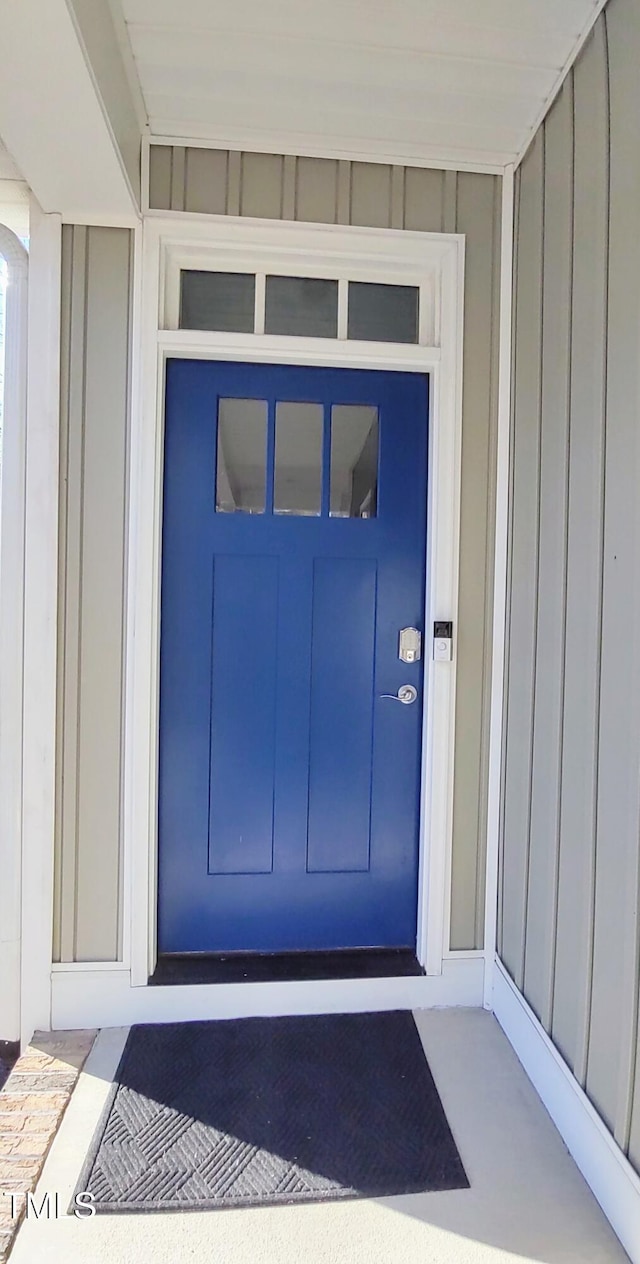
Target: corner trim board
{"points": [[40, 616], [605, 1168], [496, 719]]}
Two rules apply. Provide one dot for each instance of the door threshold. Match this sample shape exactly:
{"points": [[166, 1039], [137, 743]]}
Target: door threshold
{"points": [[291, 967]]}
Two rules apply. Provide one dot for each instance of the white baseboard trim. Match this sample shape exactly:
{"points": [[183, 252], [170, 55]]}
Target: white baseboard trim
{"points": [[103, 998], [605, 1168]]}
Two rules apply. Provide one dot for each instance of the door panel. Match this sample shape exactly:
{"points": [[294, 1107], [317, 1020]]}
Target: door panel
{"points": [[293, 553], [245, 623], [341, 722]]}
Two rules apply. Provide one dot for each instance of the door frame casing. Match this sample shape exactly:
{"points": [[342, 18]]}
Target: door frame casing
{"points": [[436, 262]]}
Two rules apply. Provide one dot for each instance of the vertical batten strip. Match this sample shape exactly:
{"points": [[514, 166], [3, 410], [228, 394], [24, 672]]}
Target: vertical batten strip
{"points": [[581, 1068], [289, 187], [539, 349], [565, 545], [509, 564], [494, 568], [343, 193], [450, 202], [178, 177], [397, 197], [234, 181]]}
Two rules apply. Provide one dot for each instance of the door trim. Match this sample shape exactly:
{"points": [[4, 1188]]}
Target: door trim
{"points": [[434, 261]]}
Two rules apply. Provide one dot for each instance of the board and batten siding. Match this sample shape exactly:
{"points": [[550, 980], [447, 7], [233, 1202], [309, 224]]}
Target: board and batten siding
{"points": [[205, 181], [320, 190], [95, 358], [569, 925]]}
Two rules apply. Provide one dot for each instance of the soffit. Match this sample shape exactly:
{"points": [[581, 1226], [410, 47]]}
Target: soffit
{"points": [[413, 80]]}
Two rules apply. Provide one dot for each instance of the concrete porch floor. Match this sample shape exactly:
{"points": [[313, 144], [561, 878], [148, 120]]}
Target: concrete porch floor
{"points": [[527, 1199]]}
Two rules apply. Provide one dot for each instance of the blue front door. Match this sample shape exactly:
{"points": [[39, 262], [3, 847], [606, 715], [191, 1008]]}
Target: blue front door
{"points": [[293, 554]]}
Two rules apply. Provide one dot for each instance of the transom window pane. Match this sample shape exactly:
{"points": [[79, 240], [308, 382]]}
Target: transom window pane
{"points": [[383, 313], [223, 301], [354, 461], [242, 456], [306, 306], [298, 469]]}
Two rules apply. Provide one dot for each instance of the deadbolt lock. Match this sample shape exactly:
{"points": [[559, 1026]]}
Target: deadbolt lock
{"points": [[410, 645]]}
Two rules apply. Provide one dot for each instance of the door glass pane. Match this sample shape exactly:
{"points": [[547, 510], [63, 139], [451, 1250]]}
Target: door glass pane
{"points": [[383, 313], [354, 461], [217, 300], [298, 471], [242, 456], [306, 306]]}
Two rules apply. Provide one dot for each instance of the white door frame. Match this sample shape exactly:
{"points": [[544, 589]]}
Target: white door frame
{"points": [[435, 262]]}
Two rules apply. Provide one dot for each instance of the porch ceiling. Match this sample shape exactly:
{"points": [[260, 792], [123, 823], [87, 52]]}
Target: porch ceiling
{"points": [[460, 82]]}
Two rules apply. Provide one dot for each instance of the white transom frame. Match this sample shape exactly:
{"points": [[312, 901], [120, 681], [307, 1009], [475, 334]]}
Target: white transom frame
{"points": [[435, 263]]}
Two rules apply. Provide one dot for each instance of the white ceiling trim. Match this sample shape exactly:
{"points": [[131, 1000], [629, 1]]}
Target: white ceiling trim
{"points": [[350, 149]]}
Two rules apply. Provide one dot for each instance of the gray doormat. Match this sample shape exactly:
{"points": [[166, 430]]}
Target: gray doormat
{"points": [[258, 1111]]}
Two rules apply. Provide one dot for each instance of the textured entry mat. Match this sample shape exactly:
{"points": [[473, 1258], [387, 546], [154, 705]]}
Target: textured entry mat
{"points": [[253, 1111]]}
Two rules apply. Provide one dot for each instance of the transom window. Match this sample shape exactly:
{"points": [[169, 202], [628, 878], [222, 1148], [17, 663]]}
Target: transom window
{"points": [[233, 302], [297, 458]]}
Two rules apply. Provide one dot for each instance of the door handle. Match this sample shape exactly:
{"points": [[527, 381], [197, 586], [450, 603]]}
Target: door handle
{"points": [[406, 694]]}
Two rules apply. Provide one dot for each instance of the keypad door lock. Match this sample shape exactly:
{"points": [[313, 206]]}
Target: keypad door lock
{"points": [[410, 645]]}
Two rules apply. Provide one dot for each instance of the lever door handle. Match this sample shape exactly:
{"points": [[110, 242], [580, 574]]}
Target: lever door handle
{"points": [[406, 694]]}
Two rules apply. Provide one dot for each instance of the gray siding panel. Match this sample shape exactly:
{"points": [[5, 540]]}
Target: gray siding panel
{"points": [[478, 217], [549, 637], [206, 181], [524, 561], [261, 185], [160, 159], [371, 194], [580, 866], [316, 190], [96, 302], [423, 199], [615, 981], [584, 559]]}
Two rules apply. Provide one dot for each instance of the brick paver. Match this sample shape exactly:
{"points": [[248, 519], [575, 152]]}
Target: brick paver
{"points": [[32, 1103]]}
